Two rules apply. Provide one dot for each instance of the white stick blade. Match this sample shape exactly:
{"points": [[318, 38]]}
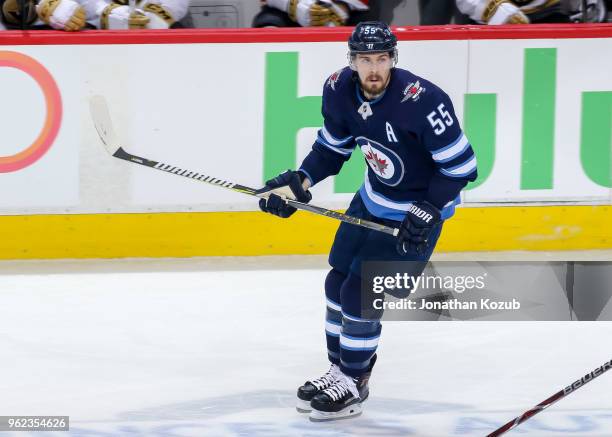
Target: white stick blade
{"points": [[102, 122]]}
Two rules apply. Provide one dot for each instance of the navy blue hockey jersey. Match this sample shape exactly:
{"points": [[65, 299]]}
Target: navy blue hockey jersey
{"points": [[410, 138]]}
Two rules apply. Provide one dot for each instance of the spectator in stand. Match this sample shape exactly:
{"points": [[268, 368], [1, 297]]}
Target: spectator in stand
{"points": [[72, 15], [531, 11], [67, 15], [291, 13], [148, 14]]}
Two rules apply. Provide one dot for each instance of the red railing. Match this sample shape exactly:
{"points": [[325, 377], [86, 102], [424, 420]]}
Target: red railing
{"points": [[269, 35]]}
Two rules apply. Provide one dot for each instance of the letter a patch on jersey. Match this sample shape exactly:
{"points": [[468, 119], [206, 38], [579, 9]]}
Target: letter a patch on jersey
{"points": [[390, 134]]}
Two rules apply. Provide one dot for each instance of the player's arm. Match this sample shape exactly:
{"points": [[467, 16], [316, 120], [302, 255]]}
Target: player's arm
{"points": [[332, 148], [164, 13], [313, 12], [455, 165], [328, 155], [153, 14], [114, 14], [492, 11], [66, 15]]}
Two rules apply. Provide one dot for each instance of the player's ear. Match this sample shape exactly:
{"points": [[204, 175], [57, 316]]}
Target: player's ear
{"points": [[395, 57], [351, 61]]}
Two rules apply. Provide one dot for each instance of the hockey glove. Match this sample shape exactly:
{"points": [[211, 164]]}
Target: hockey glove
{"points": [[117, 16], [65, 15], [287, 185], [503, 12], [159, 16], [416, 228], [312, 12]]}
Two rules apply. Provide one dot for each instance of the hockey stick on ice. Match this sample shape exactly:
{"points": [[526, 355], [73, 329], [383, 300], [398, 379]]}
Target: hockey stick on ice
{"points": [[102, 122], [551, 400]]}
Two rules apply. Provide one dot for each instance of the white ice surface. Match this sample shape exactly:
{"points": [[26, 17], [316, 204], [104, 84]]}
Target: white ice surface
{"points": [[160, 349]]}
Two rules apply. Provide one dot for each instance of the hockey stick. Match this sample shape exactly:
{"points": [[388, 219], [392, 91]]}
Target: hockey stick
{"points": [[102, 122], [551, 400]]}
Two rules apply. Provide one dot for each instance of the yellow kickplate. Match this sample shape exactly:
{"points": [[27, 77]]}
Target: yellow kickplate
{"points": [[255, 233]]}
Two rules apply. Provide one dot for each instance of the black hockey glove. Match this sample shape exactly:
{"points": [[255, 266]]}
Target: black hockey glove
{"points": [[286, 185], [416, 227]]}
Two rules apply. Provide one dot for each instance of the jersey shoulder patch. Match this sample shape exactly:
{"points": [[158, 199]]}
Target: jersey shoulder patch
{"points": [[413, 91], [336, 79], [409, 87]]}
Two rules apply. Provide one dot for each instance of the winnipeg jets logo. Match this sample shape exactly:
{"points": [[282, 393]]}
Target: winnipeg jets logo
{"points": [[383, 162], [413, 91], [333, 79], [379, 165]]}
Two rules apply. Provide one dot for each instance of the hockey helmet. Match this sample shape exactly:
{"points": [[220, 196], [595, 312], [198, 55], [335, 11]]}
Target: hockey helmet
{"points": [[372, 37]]}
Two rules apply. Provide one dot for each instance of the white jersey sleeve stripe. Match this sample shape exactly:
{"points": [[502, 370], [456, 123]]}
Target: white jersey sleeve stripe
{"points": [[344, 152], [461, 170], [450, 152], [332, 140]]}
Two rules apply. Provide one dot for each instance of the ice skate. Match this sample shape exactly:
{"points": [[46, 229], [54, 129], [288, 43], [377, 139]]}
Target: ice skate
{"points": [[342, 400], [310, 388]]}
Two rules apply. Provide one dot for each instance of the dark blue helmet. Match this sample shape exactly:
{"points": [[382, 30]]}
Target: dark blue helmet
{"points": [[372, 36]]}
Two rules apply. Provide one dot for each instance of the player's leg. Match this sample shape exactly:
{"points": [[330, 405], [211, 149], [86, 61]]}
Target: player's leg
{"points": [[355, 361], [346, 244], [359, 336], [333, 324], [358, 341]]}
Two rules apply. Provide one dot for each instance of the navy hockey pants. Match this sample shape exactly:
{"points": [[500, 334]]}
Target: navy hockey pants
{"points": [[352, 340]]}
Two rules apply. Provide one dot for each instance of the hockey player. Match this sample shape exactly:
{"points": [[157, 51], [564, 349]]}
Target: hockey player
{"points": [[66, 15], [418, 161], [318, 12], [148, 14], [513, 11]]}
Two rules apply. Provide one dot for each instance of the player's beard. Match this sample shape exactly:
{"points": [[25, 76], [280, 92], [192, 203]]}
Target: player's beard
{"points": [[374, 89]]}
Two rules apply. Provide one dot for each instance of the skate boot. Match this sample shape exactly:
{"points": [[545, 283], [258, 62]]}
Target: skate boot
{"points": [[343, 399], [310, 388]]}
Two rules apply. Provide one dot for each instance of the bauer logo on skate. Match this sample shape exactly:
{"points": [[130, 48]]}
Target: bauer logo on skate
{"points": [[53, 116], [387, 166]]}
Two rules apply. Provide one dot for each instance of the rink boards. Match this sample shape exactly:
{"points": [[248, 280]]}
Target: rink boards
{"points": [[253, 233], [242, 105]]}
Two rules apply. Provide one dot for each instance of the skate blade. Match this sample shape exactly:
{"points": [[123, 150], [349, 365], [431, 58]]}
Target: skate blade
{"points": [[303, 406], [346, 413]]}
